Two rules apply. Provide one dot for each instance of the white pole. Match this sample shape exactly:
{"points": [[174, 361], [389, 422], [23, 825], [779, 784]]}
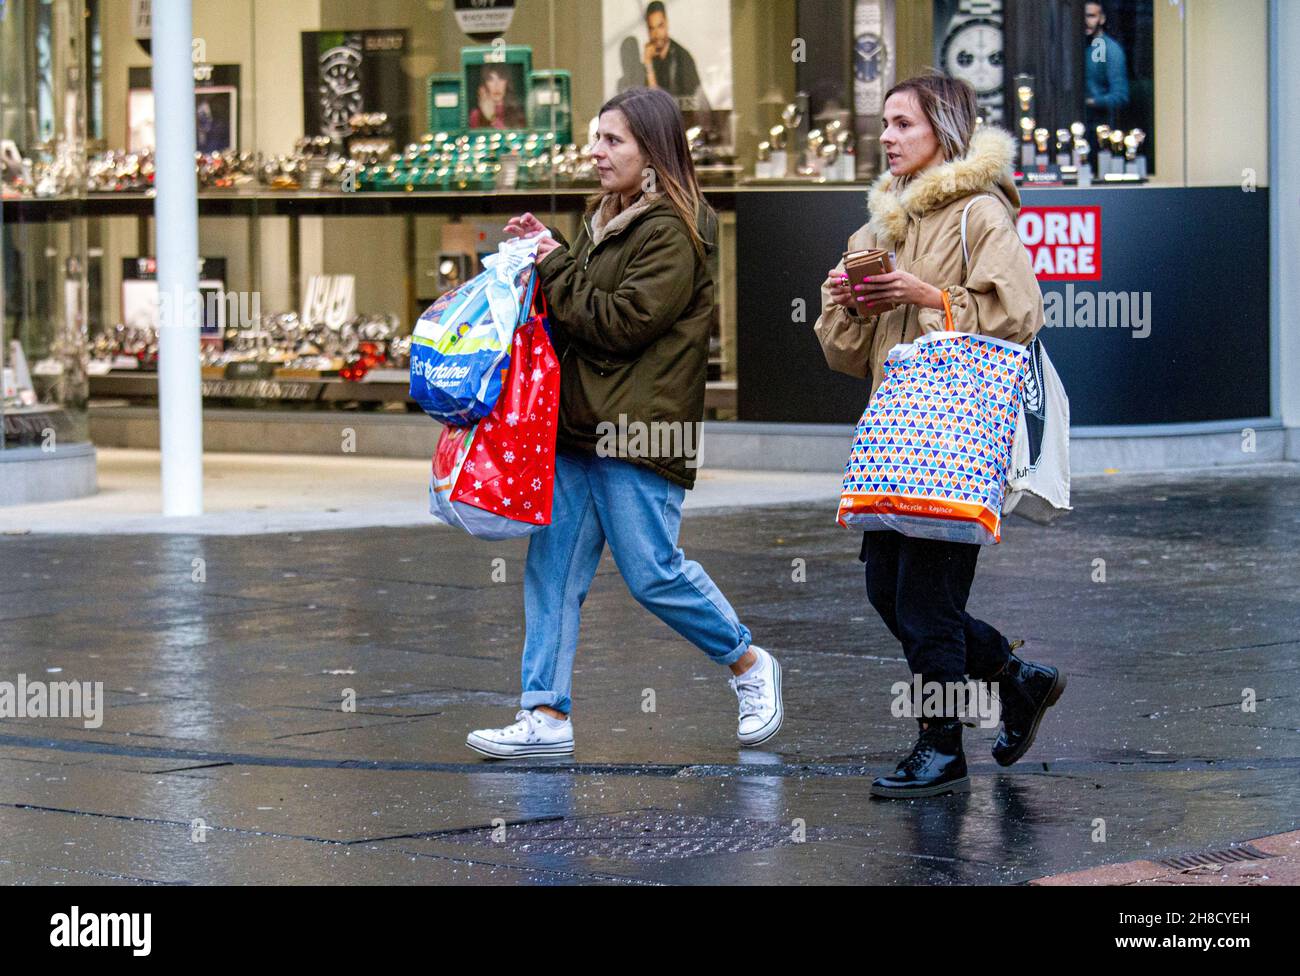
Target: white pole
{"points": [[180, 403], [1284, 214]]}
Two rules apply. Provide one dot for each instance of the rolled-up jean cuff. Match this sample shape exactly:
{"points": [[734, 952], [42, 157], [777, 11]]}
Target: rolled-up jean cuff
{"points": [[733, 656], [531, 699]]}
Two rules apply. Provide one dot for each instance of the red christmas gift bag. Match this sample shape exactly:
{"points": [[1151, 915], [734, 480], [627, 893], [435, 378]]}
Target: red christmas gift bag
{"points": [[495, 478]]}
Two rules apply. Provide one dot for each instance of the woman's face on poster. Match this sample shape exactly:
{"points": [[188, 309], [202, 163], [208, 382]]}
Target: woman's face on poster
{"points": [[496, 84]]}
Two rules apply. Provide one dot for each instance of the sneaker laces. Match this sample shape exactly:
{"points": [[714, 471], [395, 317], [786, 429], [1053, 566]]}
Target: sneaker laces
{"points": [[749, 690], [524, 722]]}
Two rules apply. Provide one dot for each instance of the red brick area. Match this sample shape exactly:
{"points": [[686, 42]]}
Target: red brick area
{"points": [[1282, 869]]}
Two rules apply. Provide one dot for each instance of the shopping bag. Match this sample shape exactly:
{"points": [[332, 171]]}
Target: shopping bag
{"points": [[932, 450], [1038, 480], [460, 348], [495, 478]]}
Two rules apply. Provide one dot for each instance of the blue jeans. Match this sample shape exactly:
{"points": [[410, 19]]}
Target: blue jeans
{"points": [[638, 512]]}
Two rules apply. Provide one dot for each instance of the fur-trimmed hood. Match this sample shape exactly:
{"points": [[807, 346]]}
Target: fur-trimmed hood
{"points": [[986, 168]]}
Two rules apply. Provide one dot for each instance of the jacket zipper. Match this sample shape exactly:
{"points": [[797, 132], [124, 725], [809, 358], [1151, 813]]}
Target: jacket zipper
{"points": [[587, 260]]}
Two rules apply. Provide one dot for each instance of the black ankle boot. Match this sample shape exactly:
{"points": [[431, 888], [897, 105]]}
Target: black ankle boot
{"points": [[1026, 691], [935, 765]]}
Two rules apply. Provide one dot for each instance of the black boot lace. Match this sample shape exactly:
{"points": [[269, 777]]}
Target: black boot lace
{"points": [[924, 749]]}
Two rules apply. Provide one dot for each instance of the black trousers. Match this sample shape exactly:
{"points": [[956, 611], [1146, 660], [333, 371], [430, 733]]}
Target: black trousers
{"points": [[920, 587]]}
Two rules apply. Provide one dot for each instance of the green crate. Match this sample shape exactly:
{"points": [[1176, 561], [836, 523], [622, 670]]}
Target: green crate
{"points": [[445, 101], [550, 103]]}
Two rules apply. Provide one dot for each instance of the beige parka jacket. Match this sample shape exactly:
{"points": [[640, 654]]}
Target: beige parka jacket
{"points": [[996, 294]]}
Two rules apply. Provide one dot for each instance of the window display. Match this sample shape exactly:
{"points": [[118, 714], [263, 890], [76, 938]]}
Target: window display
{"points": [[384, 143], [43, 330]]}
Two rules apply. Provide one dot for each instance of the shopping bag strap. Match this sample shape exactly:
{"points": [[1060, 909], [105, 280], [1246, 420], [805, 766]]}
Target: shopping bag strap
{"points": [[965, 249], [965, 256], [539, 307]]}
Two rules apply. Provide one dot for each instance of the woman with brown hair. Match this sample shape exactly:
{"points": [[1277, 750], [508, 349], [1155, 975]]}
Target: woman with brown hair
{"points": [[947, 210], [631, 302]]}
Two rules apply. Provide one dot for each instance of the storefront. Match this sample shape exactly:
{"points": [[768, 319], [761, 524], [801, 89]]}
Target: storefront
{"points": [[357, 158]]}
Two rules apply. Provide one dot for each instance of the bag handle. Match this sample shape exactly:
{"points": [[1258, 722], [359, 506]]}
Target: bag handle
{"points": [[965, 262], [965, 248], [537, 306], [965, 258], [533, 296]]}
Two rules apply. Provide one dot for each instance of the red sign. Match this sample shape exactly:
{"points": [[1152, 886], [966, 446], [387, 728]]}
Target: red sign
{"points": [[1064, 243]]}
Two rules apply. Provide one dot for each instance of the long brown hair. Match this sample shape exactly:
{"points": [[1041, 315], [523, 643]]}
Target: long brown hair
{"points": [[948, 104], [656, 124]]}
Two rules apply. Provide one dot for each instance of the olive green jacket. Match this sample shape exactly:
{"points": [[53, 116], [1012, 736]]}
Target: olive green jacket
{"points": [[630, 318]]}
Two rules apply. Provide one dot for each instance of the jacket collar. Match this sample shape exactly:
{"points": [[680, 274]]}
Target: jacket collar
{"points": [[601, 227], [605, 223], [985, 167]]}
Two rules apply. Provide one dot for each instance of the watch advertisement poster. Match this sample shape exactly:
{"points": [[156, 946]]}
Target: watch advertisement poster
{"points": [[348, 72], [1119, 70], [140, 299], [682, 46], [968, 45], [216, 108]]}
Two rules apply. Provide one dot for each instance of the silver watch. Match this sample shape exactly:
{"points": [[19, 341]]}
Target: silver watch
{"points": [[972, 49]]}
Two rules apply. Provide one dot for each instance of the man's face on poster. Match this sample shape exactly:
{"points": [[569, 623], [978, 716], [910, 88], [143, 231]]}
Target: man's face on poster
{"points": [[1094, 19], [657, 25]]}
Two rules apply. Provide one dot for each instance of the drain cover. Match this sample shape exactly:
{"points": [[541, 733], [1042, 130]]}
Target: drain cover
{"points": [[636, 836], [1229, 855]]}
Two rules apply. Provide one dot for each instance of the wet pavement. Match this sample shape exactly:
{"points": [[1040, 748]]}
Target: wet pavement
{"points": [[225, 755]]}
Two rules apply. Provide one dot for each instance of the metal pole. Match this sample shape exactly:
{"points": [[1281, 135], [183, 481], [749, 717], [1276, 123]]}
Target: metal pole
{"points": [[176, 215], [1283, 194]]}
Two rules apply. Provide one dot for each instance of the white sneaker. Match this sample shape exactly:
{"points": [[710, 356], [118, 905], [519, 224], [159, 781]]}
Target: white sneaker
{"points": [[759, 692], [531, 735]]}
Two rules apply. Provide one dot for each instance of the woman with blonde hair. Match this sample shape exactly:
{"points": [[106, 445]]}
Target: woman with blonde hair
{"points": [[946, 209]]}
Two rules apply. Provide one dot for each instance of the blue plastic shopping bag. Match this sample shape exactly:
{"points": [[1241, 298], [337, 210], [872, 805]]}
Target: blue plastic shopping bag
{"points": [[460, 349]]}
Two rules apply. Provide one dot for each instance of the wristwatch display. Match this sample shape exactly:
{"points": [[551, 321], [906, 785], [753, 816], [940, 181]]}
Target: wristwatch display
{"points": [[870, 59], [972, 51]]}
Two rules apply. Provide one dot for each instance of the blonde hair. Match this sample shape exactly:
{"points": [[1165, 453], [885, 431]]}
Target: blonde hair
{"points": [[948, 104]]}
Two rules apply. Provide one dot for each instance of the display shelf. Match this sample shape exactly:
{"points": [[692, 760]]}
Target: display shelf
{"points": [[299, 203], [143, 388]]}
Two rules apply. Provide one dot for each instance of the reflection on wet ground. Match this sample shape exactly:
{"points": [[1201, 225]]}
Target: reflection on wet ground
{"points": [[292, 708]]}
